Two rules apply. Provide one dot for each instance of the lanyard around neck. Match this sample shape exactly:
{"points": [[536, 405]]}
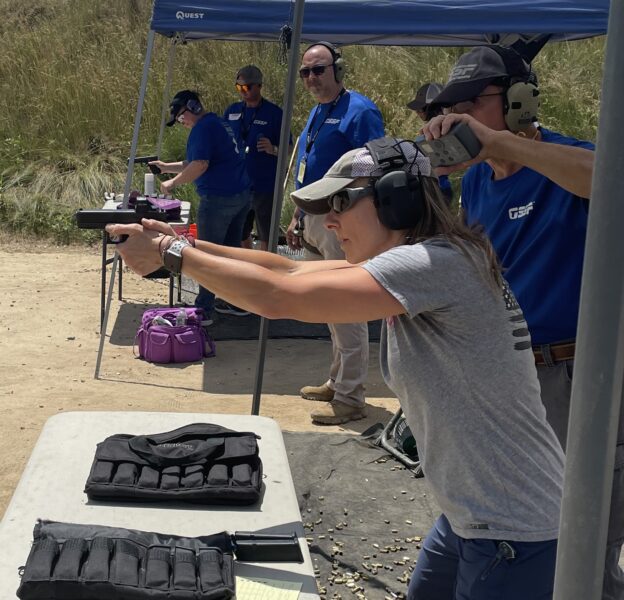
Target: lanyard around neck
{"points": [[311, 139], [245, 129]]}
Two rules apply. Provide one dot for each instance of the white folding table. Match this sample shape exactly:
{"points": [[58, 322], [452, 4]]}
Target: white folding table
{"points": [[52, 484]]}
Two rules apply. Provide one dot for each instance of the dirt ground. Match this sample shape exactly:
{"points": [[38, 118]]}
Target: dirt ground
{"points": [[49, 338]]}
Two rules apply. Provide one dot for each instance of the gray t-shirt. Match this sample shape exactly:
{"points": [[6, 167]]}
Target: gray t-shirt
{"points": [[461, 365]]}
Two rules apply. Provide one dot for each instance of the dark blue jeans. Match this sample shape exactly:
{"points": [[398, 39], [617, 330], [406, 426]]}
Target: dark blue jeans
{"points": [[220, 220], [454, 568]]}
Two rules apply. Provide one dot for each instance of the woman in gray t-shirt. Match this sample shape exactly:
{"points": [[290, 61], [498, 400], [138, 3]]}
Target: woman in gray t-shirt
{"points": [[455, 349]]}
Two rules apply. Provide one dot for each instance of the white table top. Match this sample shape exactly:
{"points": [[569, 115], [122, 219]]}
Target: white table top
{"points": [[52, 484]]}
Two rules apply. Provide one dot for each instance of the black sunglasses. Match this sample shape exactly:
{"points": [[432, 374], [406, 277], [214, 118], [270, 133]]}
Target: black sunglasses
{"points": [[346, 198], [304, 72]]}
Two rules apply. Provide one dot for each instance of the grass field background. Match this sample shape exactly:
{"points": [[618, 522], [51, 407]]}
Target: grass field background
{"points": [[69, 83]]}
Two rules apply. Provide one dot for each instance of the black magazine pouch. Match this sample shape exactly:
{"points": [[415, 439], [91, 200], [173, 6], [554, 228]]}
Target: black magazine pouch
{"points": [[69, 561], [200, 463]]}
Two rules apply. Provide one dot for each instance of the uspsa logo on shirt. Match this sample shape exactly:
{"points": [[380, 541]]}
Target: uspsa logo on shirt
{"points": [[332, 121], [517, 212]]}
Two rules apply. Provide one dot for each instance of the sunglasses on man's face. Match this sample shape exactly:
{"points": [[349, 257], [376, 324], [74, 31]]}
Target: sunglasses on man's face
{"points": [[304, 72], [244, 87], [180, 115], [468, 105], [346, 198]]}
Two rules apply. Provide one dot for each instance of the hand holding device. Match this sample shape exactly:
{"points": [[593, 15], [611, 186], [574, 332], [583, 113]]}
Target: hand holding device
{"points": [[459, 145]]}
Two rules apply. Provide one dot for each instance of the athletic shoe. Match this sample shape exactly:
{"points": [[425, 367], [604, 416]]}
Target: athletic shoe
{"points": [[225, 308], [321, 393], [336, 413]]}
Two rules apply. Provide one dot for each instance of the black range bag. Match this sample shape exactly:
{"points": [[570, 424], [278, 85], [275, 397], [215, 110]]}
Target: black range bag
{"points": [[201, 463], [68, 561]]}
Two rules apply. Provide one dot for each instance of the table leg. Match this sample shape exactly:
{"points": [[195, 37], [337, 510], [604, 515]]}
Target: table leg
{"points": [[120, 276], [103, 293]]}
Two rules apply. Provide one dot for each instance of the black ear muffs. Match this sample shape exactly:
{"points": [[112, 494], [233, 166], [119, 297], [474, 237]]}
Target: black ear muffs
{"points": [[399, 200], [339, 66], [521, 99], [194, 106]]}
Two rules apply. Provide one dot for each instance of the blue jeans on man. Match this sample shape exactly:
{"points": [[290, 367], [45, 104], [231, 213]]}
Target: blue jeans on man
{"points": [[220, 220]]}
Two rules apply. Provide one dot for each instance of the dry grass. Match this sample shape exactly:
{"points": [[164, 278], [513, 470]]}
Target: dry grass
{"points": [[69, 83]]}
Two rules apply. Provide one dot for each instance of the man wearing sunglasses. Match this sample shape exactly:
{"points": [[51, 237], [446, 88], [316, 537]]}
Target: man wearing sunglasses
{"points": [[340, 121], [216, 167], [530, 191], [256, 123]]}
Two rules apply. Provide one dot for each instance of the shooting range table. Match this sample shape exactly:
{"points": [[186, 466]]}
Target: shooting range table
{"points": [[181, 225], [52, 484]]}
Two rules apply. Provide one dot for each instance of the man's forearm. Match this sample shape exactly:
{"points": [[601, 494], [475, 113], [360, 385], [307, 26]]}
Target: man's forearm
{"points": [[190, 172], [570, 167]]}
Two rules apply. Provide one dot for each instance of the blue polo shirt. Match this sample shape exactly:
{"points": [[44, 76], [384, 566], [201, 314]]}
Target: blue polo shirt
{"points": [[212, 139], [249, 124], [538, 231], [336, 128]]}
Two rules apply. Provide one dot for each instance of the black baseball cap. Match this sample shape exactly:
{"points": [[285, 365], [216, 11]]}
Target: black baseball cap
{"points": [[425, 95], [477, 69], [178, 102]]}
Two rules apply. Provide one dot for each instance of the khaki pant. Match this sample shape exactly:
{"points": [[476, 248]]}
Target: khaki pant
{"points": [[349, 367]]}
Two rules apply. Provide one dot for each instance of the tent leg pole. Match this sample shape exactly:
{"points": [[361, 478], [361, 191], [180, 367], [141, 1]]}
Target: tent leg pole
{"points": [[278, 192], [166, 94], [599, 366], [133, 149]]}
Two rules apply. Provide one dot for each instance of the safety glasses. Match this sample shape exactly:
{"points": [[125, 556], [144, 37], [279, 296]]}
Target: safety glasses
{"points": [[304, 72], [467, 105], [244, 87], [180, 116], [346, 198]]}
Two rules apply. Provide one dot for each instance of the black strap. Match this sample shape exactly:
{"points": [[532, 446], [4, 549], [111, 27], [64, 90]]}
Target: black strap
{"points": [[245, 129], [169, 448], [309, 139]]}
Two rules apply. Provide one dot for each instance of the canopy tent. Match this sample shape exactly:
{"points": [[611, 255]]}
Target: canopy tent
{"points": [[599, 371], [387, 22]]}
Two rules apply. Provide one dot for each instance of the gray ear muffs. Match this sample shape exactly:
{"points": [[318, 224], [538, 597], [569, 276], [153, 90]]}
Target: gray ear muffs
{"points": [[522, 96], [339, 65]]}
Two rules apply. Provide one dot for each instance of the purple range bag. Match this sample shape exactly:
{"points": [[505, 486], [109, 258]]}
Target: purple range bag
{"points": [[159, 342]]}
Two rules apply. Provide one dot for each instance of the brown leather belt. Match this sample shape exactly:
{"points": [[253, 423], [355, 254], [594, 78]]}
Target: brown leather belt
{"points": [[558, 352]]}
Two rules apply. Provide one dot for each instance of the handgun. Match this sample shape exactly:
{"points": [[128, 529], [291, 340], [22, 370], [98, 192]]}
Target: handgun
{"points": [[145, 160], [99, 218], [459, 145]]}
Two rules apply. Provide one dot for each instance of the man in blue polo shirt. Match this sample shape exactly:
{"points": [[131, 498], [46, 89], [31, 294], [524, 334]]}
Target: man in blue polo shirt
{"points": [[341, 121], [216, 167], [529, 189], [256, 123]]}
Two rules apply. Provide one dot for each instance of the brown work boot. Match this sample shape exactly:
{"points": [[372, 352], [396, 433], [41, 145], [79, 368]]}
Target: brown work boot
{"points": [[335, 413], [322, 393]]}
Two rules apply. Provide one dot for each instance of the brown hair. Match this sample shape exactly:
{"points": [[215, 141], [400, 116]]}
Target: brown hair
{"points": [[439, 221]]}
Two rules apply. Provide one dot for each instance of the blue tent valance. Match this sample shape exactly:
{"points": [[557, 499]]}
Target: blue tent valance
{"points": [[387, 22]]}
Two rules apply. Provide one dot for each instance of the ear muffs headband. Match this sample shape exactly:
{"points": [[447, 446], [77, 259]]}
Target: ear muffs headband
{"points": [[399, 196], [522, 96], [339, 65]]}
